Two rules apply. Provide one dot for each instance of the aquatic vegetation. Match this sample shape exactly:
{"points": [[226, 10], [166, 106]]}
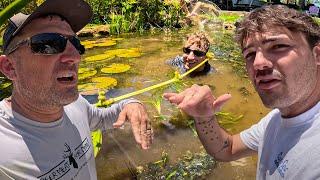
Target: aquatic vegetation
{"points": [[87, 42], [316, 19], [96, 141], [126, 53], [244, 91], [229, 17], [116, 68], [105, 44], [99, 43], [227, 120], [99, 57], [228, 51], [84, 73], [4, 85], [117, 39], [190, 166], [98, 83]]}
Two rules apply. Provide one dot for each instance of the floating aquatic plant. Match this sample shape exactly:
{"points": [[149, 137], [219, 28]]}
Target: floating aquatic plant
{"points": [[84, 73], [227, 119], [118, 39], [99, 57], [116, 68], [126, 53], [98, 83], [99, 43]]}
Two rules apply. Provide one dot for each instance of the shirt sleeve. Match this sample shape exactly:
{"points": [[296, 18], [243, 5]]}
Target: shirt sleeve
{"points": [[252, 137], [177, 63], [103, 118]]}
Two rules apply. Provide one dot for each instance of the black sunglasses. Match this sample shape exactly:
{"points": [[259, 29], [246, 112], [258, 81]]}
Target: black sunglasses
{"points": [[195, 52], [49, 44]]}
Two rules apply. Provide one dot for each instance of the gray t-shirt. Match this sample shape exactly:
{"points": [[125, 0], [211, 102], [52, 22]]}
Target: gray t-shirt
{"points": [[288, 148], [58, 150]]}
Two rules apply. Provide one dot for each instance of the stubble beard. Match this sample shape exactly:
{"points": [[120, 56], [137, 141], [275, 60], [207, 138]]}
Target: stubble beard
{"points": [[48, 97], [275, 99]]}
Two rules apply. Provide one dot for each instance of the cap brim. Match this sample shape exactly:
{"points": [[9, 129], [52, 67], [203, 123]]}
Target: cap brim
{"points": [[78, 13]]}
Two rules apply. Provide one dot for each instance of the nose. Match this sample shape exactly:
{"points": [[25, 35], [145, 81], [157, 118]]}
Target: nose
{"points": [[70, 54], [261, 62], [190, 56]]}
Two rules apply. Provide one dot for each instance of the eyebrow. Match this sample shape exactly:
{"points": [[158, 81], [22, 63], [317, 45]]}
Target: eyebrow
{"points": [[267, 40]]}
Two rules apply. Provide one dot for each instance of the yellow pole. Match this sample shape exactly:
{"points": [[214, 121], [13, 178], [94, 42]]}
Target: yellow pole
{"points": [[176, 78]]}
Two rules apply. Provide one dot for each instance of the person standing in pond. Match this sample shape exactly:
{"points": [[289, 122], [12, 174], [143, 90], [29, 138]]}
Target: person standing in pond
{"points": [[281, 49], [45, 126], [194, 52]]}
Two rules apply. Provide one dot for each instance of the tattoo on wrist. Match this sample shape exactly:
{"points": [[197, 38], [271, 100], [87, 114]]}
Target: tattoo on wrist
{"points": [[225, 145]]}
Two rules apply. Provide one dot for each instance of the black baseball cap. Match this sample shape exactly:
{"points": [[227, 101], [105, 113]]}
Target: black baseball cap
{"points": [[77, 13]]}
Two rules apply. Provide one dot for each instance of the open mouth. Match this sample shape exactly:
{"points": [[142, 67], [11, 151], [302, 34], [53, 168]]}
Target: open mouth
{"points": [[267, 84], [66, 77]]}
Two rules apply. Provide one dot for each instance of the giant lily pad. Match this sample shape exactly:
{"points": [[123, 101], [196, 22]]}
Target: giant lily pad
{"points": [[116, 68], [87, 42], [126, 53], [86, 72], [99, 43], [98, 83], [99, 57]]}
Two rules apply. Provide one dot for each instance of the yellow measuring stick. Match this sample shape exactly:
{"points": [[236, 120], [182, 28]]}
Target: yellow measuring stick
{"points": [[176, 78]]}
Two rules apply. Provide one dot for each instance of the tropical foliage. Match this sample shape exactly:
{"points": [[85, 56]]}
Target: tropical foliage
{"points": [[134, 15]]}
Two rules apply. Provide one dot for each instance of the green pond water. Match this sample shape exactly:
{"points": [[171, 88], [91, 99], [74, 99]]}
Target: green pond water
{"points": [[119, 151]]}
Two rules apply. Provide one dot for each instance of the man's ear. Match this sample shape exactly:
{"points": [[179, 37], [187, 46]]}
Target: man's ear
{"points": [[316, 53], [7, 68]]}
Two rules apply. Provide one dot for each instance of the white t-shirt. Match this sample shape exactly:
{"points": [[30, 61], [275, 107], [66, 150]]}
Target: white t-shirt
{"points": [[58, 150], [288, 148]]}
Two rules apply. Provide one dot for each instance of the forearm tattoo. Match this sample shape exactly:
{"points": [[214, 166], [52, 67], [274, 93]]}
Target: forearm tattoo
{"points": [[209, 130]]}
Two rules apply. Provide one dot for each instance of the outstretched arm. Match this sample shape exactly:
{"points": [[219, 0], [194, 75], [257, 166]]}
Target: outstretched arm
{"points": [[199, 103], [115, 116]]}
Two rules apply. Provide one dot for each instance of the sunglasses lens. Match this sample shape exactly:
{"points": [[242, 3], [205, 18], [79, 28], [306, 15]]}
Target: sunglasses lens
{"points": [[76, 43], [195, 52], [186, 50], [199, 53], [48, 43]]}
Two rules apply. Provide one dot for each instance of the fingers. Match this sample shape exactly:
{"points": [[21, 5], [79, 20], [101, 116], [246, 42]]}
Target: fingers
{"points": [[178, 98], [146, 134], [220, 101], [141, 126], [174, 97], [193, 96], [135, 124], [121, 119]]}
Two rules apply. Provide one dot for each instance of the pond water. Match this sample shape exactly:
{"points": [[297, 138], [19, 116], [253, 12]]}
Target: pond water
{"points": [[119, 151]]}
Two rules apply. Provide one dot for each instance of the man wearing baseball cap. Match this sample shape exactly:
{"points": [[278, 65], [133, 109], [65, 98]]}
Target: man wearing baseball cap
{"points": [[45, 125]]}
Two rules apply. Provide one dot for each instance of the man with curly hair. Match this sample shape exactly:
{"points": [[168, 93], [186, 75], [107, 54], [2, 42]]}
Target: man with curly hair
{"points": [[194, 52]]}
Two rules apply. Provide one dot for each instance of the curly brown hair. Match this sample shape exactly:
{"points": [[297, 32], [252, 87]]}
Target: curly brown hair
{"points": [[200, 40], [261, 19]]}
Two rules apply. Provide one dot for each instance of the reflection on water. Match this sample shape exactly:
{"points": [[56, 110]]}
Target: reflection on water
{"points": [[119, 150]]}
